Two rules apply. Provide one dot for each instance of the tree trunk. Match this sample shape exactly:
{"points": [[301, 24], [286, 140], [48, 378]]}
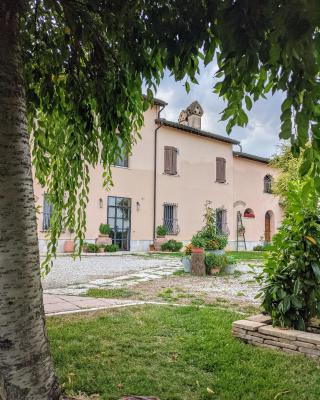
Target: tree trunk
{"points": [[26, 369]]}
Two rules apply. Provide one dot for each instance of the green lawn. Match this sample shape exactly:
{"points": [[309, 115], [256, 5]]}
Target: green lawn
{"points": [[116, 293], [247, 255], [174, 353]]}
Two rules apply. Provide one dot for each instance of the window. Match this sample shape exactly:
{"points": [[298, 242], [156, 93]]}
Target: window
{"points": [[170, 160], [122, 160], [221, 221], [248, 213], [47, 213], [220, 170], [267, 184], [170, 220]]}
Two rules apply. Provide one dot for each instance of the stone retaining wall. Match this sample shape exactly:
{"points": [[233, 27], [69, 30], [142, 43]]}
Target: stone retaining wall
{"points": [[257, 330]]}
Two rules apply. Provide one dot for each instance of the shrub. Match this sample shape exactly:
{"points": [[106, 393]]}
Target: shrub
{"points": [[222, 241], [161, 230], [215, 261], [212, 239], [198, 240], [188, 249], [291, 276], [104, 229], [263, 247], [90, 248], [110, 248], [172, 245]]}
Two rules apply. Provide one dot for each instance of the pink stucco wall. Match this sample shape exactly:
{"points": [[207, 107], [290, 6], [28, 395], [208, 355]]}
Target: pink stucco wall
{"points": [[194, 183], [249, 189]]}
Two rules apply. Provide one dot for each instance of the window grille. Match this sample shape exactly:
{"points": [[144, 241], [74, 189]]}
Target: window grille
{"points": [[170, 220], [221, 221]]}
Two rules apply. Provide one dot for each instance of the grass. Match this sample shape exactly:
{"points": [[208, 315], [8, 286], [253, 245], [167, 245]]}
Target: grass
{"points": [[117, 293], [246, 255], [175, 353]]}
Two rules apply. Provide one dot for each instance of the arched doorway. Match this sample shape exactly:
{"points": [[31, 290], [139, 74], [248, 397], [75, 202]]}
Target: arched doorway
{"points": [[268, 226]]}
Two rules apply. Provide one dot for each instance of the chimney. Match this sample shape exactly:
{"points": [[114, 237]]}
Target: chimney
{"points": [[195, 113]]}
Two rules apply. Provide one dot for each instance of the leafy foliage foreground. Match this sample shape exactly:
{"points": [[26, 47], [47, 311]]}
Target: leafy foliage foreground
{"points": [[291, 294], [84, 62]]}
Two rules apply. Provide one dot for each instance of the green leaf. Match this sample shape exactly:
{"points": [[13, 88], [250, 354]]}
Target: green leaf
{"points": [[248, 103], [305, 167], [316, 270], [187, 85]]}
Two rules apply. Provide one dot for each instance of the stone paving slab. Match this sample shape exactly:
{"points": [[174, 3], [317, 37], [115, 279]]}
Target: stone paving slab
{"points": [[61, 304]]}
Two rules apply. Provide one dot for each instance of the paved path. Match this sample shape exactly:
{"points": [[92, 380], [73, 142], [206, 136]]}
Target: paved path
{"points": [[62, 304], [69, 277]]}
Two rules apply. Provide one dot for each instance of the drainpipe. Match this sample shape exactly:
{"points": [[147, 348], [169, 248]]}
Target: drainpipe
{"points": [[239, 147], [155, 174]]}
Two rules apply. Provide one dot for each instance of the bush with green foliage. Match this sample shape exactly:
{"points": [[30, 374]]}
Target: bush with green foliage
{"points": [[161, 230], [215, 261], [262, 247], [90, 248], [110, 248], [172, 245], [104, 229], [198, 241], [291, 276], [211, 238]]}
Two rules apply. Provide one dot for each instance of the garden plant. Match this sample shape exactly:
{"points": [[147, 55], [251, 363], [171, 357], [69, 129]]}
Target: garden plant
{"points": [[291, 276]]}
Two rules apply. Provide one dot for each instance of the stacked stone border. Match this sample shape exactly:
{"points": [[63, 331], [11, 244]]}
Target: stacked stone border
{"points": [[258, 331]]}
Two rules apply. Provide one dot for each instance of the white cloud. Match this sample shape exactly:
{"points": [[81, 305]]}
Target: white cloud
{"points": [[260, 137]]}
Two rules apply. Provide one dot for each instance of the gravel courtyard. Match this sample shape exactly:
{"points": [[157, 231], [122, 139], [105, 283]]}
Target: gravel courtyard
{"points": [[68, 272], [152, 279]]}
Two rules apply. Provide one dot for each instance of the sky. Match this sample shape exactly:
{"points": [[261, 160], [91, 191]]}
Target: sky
{"points": [[259, 137]]}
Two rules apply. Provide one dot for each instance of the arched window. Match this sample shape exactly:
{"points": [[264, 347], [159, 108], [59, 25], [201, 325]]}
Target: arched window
{"points": [[248, 213], [267, 184]]}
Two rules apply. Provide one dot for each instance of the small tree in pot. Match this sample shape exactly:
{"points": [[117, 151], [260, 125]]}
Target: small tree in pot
{"points": [[161, 232], [103, 238]]}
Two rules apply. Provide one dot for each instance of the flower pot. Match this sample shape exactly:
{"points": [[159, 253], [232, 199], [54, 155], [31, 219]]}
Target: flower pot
{"points": [[160, 240], [215, 270], [218, 252], [186, 262], [68, 246], [103, 240], [197, 250]]}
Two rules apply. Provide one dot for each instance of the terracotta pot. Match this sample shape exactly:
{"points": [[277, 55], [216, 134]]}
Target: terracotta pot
{"points": [[158, 242], [103, 239], [197, 250], [68, 246], [215, 270]]}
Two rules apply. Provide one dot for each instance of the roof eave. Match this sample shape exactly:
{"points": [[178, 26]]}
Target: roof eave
{"points": [[195, 131], [251, 157]]}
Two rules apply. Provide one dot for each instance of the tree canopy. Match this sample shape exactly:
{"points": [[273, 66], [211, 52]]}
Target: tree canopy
{"points": [[84, 63]]}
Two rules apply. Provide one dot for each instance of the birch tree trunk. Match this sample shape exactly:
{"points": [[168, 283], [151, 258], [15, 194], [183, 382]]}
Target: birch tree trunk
{"points": [[26, 370]]}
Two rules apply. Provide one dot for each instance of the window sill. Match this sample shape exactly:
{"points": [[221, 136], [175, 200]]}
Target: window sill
{"points": [[173, 175], [119, 166], [222, 183]]}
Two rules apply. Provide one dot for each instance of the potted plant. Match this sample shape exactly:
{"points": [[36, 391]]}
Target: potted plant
{"points": [[198, 243], [161, 232], [103, 238], [215, 263], [68, 245], [186, 261]]}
